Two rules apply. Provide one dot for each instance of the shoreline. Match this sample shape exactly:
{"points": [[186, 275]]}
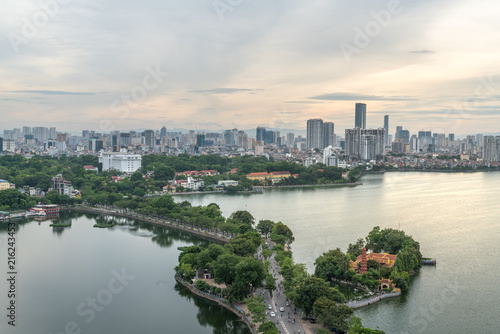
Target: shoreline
{"points": [[150, 220], [355, 304], [219, 301]]}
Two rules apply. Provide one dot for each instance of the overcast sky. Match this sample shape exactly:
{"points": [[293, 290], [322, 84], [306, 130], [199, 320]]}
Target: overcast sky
{"points": [[204, 64]]}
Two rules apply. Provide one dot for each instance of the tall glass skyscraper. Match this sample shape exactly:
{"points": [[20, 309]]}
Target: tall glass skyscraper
{"points": [[360, 117]]}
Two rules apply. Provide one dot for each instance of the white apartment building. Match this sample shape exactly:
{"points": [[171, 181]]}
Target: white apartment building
{"points": [[127, 163]]}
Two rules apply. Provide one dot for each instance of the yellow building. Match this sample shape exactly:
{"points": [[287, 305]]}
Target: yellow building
{"points": [[258, 176], [4, 185]]}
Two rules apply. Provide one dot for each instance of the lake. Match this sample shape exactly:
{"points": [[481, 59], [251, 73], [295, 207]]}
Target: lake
{"points": [[82, 279], [454, 216]]}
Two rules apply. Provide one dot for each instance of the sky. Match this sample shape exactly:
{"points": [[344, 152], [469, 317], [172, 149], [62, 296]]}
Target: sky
{"points": [[218, 64]]}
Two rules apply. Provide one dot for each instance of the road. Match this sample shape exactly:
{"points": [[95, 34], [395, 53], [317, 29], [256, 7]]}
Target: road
{"points": [[285, 320]]}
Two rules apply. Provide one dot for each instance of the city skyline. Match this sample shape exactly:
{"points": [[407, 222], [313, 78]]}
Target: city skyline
{"points": [[241, 67]]}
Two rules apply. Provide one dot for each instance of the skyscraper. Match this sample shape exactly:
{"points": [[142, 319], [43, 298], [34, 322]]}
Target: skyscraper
{"points": [[149, 138], [261, 133], [200, 140], [491, 148], [360, 117], [386, 127], [163, 132], [290, 139], [365, 144], [328, 134], [315, 133]]}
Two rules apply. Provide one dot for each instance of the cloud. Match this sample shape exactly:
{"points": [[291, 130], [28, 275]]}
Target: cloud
{"points": [[304, 102], [358, 97], [422, 51], [50, 92], [225, 90]]}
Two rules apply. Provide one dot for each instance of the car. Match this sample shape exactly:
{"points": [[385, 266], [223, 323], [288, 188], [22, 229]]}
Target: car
{"points": [[269, 307], [282, 309], [287, 303], [273, 314]]}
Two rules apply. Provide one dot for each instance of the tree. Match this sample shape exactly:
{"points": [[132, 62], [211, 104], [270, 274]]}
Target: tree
{"points": [[243, 217], [312, 289], [242, 245], [355, 250], [333, 263], [356, 327], [257, 308], [202, 285], [270, 283], [265, 226], [224, 268], [136, 176], [268, 327], [281, 229], [185, 270], [250, 273]]}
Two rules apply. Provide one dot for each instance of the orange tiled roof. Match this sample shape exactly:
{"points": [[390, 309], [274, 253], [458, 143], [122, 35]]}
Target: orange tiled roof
{"points": [[280, 173], [258, 174]]}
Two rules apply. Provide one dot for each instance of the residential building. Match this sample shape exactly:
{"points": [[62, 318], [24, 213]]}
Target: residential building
{"points": [[491, 148], [315, 133], [365, 144], [62, 186]]}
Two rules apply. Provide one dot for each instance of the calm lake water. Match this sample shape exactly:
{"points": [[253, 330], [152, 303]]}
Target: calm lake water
{"points": [[127, 271], [455, 217]]}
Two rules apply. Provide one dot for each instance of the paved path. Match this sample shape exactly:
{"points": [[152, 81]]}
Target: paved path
{"points": [[284, 319]]}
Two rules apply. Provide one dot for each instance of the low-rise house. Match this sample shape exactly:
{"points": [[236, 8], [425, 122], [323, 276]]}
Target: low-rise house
{"points": [[228, 183]]}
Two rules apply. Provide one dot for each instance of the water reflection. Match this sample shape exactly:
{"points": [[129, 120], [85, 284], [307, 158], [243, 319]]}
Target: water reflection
{"points": [[211, 314]]}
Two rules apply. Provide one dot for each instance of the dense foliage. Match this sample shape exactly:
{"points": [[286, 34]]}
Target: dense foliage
{"points": [[335, 264]]}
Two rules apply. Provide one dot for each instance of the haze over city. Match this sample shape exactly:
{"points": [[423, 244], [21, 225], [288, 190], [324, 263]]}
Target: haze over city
{"points": [[212, 65]]}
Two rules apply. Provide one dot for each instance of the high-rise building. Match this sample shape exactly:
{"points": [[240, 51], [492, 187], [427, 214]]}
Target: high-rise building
{"points": [[402, 134], [451, 137], [125, 139], [425, 141], [270, 137], [229, 137], [328, 134], [26, 131], [149, 138], [290, 139], [491, 148], [261, 133], [200, 140], [365, 144], [1, 145], [95, 145], [386, 127], [41, 133], [8, 134], [9, 145], [52, 133], [163, 132], [315, 133], [360, 116]]}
